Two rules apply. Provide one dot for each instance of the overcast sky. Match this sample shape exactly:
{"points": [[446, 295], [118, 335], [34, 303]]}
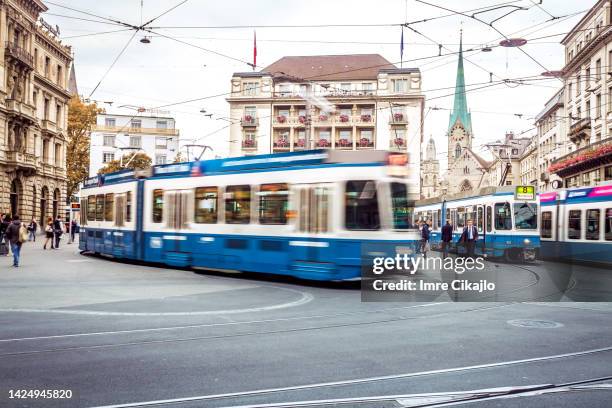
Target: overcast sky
{"points": [[166, 71]]}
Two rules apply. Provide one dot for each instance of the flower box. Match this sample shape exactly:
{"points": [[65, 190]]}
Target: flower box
{"points": [[323, 143], [399, 142], [281, 119], [581, 157], [302, 119], [398, 116], [322, 118], [344, 142], [248, 118], [344, 118], [366, 118], [364, 142], [248, 143], [301, 142]]}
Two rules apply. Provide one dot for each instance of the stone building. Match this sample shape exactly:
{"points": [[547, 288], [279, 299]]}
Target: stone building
{"points": [[430, 172], [34, 66]]}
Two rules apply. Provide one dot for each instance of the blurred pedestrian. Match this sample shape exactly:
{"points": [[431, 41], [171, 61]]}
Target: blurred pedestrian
{"points": [[469, 237], [74, 229], [424, 238], [17, 234], [4, 245], [32, 228], [49, 233], [57, 231], [447, 237]]}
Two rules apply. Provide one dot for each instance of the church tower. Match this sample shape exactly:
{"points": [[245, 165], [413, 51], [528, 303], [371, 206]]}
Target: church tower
{"points": [[430, 172], [460, 122]]}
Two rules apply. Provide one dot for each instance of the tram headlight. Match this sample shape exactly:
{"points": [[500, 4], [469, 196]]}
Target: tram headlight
{"points": [[526, 241]]}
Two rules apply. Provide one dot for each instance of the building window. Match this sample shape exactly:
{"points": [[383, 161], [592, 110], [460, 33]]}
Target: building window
{"points": [[345, 87], [284, 90], [160, 159], [60, 81], [58, 154], [135, 141], [206, 205], [273, 203], [109, 140], [598, 70], [457, 151], [161, 124], [136, 124], [598, 106], [578, 79], [608, 173], [46, 109], [47, 66], [161, 142], [238, 204], [58, 115], [400, 85], [250, 88], [110, 122], [108, 157], [608, 220], [250, 111], [367, 88]]}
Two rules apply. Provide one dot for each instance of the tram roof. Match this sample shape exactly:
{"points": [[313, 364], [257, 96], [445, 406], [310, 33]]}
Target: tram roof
{"points": [[484, 191], [247, 164]]}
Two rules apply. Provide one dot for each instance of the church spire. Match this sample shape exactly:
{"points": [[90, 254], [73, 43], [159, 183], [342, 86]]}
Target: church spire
{"points": [[460, 110]]}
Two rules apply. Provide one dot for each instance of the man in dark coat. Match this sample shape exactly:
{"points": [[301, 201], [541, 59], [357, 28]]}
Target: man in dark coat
{"points": [[447, 237], [57, 231], [12, 234], [469, 237]]}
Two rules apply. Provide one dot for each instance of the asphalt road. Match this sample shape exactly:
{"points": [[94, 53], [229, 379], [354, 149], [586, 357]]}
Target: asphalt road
{"points": [[116, 334]]}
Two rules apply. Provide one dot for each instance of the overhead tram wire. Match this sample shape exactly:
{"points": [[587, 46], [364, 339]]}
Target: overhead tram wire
{"points": [[487, 24], [96, 34], [84, 19], [539, 5], [94, 15]]}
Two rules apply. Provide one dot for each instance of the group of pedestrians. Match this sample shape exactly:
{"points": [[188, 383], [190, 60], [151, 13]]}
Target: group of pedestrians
{"points": [[14, 233], [468, 238]]}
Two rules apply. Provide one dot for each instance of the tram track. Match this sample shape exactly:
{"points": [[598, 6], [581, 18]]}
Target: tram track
{"points": [[225, 398], [247, 334]]}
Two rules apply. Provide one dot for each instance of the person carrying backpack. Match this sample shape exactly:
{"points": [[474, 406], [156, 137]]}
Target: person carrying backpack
{"points": [[17, 234]]}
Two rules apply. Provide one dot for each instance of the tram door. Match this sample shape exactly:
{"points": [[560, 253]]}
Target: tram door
{"points": [[313, 220], [178, 210], [119, 234]]}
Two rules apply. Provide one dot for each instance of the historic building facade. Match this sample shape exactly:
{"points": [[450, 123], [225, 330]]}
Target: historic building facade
{"points": [[430, 172], [551, 141], [466, 170], [588, 100], [34, 67], [345, 102]]}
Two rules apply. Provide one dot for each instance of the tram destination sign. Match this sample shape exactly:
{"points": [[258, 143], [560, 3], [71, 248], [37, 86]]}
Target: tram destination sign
{"points": [[525, 193]]}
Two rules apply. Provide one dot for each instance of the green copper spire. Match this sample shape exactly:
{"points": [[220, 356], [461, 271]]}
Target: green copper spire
{"points": [[460, 108]]}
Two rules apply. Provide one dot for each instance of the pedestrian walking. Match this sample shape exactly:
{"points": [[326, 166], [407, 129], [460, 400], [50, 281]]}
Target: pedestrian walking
{"points": [[57, 231], [447, 237], [49, 233], [32, 228], [74, 229], [469, 237], [424, 238], [17, 234], [5, 221]]}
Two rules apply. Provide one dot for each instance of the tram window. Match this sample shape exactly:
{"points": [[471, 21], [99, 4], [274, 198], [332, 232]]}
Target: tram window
{"points": [[592, 224], [503, 218], [460, 218], [439, 223], [448, 216], [479, 219], [574, 224], [158, 205], [206, 199], [100, 207], [238, 204], [82, 213], [525, 216], [128, 206], [546, 230], [109, 205], [361, 206], [608, 219], [273, 203], [489, 218], [91, 208]]}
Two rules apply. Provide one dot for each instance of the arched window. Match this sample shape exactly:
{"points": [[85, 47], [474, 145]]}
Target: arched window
{"points": [[33, 202], [44, 195], [457, 151], [15, 196]]}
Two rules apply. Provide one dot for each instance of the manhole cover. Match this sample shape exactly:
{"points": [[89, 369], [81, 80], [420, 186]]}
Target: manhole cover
{"points": [[535, 324]]}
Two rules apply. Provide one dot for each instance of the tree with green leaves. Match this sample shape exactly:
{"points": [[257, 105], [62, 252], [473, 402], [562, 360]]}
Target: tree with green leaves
{"points": [[132, 161], [81, 118]]}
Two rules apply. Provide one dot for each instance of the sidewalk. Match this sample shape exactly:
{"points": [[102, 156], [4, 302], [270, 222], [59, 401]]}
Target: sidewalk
{"points": [[32, 253]]}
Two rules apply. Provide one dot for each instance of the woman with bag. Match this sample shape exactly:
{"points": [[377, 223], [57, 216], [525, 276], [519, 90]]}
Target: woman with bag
{"points": [[49, 233]]}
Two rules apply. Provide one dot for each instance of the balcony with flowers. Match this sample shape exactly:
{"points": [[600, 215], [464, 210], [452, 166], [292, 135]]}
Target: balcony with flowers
{"points": [[300, 142], [398, 142], [344, 140], [249, 121], [365, 140], [249, 143], [280, 141], [398, 118], [323, 139], [589, 157]]}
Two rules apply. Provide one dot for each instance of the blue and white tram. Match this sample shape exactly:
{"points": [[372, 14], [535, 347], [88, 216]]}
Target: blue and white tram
{"points": [[305, 214], [507, 228], [577, 224]]}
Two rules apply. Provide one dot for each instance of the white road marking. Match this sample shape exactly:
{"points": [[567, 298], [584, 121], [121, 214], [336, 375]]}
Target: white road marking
{"points": [[79, 260], [305, 297], [358, 380], [195, 326]]}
